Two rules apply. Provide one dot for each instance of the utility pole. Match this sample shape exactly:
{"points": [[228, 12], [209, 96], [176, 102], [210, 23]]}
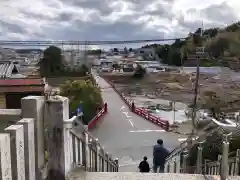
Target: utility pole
{"points": [[174, 111], [194, 110], [194, 105]]}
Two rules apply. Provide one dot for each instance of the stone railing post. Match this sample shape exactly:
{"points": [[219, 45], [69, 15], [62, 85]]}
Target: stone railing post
{"points": [[225, 152], [59, 143], [33, 107], [68, 143], [178, 164], [185, 159], [236, 170], [171, 165], [199, 158], [109, 163], [5, 165], [175, 166], [87, 152], [17, 151], [97, 159], [116, 162], [168, 167], [29, 145], [105, 162], [219, 163], [205, 166]]}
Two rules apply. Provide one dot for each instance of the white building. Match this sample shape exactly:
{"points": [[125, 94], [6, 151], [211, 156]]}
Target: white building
{"points": [[74, 58], [7, 54]]}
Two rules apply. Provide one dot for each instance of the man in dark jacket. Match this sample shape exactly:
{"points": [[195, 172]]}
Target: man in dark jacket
{"points": [[144, 166], [159, 156]]}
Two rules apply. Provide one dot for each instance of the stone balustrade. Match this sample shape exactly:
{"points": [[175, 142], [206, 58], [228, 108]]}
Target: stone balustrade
{"points": [[45, 127], [226, 165]]}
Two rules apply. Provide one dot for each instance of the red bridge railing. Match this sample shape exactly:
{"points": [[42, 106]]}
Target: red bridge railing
{"points": [[101, 113], [142, 112]]}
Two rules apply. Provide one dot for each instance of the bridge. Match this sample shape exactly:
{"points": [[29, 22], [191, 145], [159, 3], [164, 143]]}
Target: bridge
{"points": [[126, 135]]}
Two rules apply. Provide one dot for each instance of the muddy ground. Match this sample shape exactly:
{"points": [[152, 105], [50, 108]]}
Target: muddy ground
{"points": [[179, 87]]}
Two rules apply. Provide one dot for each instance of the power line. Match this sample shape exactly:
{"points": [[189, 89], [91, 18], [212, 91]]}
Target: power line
{"points": [[64, 42]]}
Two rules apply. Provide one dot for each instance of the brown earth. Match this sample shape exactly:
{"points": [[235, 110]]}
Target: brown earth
{"points": [[179, 87]]}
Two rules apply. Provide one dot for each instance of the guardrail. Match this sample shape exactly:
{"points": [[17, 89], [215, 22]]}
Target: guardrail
{"points": [[102, 112], [141, 112]]}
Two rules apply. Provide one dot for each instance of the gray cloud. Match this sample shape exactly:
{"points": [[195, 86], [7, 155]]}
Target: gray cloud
{"points": [[101, 5], [64, 17], [102, 20], [220, 13], [15, 28]]}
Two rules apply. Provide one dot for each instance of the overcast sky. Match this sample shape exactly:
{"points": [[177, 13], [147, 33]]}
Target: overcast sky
{"points": [[111, 19]]}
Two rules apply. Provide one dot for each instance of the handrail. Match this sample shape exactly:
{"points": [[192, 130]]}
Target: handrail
{"points": [[80, 132], [180, 148], [177, 148], [97, 116], [230, 159]]}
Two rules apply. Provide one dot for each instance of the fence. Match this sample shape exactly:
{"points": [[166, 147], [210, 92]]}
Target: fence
{"points": [[141, 112], [22, 147], [102, 112], [226, 165]]}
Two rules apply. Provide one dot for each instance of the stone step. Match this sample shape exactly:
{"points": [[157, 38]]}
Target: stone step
{"points": [[77, 175]]}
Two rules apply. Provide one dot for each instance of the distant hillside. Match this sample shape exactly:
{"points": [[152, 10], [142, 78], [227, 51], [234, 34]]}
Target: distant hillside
{"points": [[222, 48]]}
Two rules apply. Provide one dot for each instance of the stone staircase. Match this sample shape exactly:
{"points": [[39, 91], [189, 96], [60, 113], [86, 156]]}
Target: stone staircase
{"points": [[141, 176]]}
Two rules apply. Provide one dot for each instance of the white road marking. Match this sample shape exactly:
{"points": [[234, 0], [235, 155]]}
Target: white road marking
{"points": [[149, 130], [182, 139], [130, 121], [122, 108], [126, 114]]}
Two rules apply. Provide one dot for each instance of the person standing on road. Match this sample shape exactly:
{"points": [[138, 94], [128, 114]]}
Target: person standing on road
{"points": [[160, 154]]}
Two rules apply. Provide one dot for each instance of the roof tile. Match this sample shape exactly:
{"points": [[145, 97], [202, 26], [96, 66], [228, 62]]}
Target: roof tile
{"points": [[21, 82]]}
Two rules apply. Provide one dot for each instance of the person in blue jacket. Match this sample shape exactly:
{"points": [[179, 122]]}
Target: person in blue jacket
{"points": [[160, 153]]}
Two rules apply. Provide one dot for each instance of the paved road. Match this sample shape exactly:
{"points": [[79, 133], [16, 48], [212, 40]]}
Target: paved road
{"points": [[126, 135]]}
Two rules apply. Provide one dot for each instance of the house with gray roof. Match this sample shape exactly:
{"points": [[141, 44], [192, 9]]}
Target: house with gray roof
{"points": [[9, 70]]}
